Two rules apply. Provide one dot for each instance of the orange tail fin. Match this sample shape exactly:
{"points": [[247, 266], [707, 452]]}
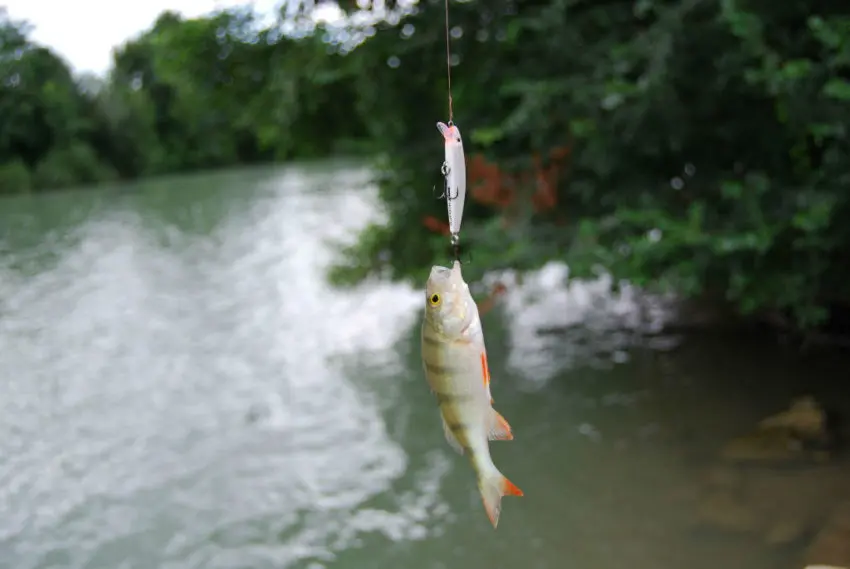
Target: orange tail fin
{"points": [[492, 489]]}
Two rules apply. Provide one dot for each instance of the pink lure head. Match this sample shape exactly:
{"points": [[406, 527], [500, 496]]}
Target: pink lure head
{"points": [[450, 133]]}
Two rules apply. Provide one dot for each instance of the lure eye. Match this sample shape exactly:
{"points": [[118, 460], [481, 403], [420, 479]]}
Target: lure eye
{"points": [[434, 299]]}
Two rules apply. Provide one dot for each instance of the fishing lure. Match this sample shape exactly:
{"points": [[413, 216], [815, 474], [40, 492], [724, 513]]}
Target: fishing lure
{"points": [[454, 172]]}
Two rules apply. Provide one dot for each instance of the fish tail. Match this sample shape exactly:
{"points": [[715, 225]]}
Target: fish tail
{"points": [[493, 486]]}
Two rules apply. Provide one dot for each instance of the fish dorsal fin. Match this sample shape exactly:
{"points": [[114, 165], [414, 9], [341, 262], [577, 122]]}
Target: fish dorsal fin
{"points": [[453, 442], [500, 430]]}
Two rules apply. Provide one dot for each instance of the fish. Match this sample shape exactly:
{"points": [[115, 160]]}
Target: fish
{"points": [[454, 358], [454, 170]]}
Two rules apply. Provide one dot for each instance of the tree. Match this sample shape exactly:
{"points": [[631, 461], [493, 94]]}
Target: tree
{"points": [[691, 145]]}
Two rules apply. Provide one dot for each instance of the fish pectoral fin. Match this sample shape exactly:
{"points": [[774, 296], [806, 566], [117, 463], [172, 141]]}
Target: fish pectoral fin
{"points": [[500, 430], [450, 437]]}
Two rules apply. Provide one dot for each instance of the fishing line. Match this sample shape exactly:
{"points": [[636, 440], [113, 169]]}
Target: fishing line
{"points": [[454, 166], [449, 65]]}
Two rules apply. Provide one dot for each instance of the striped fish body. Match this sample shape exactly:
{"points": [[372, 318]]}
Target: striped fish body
{"points": [[456, 372], [455, 362]]}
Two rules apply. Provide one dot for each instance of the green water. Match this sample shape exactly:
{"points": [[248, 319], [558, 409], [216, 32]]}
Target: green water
{"points": [[180, 389]]}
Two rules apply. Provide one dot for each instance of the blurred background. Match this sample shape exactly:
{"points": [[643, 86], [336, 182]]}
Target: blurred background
{"points": [[216, 220]]}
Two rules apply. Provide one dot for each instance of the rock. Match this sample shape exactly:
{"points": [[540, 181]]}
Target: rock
{"points": [[799, 434], [831, 546], [805, 417], [772, 445], [724, 511], [785, 531], [763, 445], [781, 506], [724, 477], [748, 494]]}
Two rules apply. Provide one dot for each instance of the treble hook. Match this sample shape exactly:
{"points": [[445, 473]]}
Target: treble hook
{"points": [[448, 195], [444, 170]]}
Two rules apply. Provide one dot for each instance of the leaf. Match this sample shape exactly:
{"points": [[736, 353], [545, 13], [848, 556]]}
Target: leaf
{"points": [[487, 136], [838, 89], [731, 189], [796, 69], [815, 215], [582, 128]]}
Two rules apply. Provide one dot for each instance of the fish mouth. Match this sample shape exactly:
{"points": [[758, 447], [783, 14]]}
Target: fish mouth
{"points": [[440, 276]]}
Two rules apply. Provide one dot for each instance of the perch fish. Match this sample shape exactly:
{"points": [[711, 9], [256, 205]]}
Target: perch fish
{"points": [[455, 362]]}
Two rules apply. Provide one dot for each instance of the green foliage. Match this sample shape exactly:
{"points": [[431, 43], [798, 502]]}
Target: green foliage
{"points": [[696, 146], [708, 143], [74, 164], [15, 177], [187, 94]]}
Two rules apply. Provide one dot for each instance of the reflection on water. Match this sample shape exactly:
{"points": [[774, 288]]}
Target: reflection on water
{"points": [[133, 365], [554, 327], [179, 388]]}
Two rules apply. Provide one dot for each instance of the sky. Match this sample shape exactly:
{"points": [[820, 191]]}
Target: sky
{"points": [[85, 31]]}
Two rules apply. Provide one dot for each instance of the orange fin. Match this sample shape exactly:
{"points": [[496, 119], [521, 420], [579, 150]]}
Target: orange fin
{"points": [[500, 430], [510, 489], [485, 370], [492, 489]]}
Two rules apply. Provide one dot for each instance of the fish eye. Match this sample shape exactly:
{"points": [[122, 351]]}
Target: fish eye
{"points": [[434, 299]]}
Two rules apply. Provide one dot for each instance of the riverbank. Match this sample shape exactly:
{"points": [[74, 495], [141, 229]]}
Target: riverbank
{"points": [[70, 169]]}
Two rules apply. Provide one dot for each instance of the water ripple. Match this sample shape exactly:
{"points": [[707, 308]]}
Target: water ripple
{"points": [[133, 362]]}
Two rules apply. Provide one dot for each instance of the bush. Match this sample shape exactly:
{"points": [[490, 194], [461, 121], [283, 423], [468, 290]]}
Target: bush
{"points": [[697, 147], [76, 164], [15, 177]]}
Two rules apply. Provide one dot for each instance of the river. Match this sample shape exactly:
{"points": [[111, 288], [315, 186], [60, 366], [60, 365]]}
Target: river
{"points": [[180, 388]]}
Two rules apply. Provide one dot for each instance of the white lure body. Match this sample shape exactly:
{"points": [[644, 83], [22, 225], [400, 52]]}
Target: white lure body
{"points": [[454, 169]]}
